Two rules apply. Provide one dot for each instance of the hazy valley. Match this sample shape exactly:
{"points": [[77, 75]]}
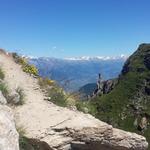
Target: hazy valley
{"points": [[73, 73]]}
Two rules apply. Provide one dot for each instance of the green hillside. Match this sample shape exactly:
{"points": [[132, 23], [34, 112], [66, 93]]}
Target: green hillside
{"points": [[88, 89], [127, 106]]}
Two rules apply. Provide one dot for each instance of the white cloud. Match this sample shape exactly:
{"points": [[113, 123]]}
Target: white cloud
{"points": [[54, 47]]}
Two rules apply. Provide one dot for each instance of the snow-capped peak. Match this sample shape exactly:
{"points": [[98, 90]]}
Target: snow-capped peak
{"points": [[122, 56]]}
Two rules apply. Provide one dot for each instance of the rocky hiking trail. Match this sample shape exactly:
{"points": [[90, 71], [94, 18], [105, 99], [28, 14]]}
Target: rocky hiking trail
{"points": [[61, 128]]}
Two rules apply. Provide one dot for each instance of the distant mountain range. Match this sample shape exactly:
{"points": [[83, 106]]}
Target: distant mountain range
{"points": [[73, 73]]}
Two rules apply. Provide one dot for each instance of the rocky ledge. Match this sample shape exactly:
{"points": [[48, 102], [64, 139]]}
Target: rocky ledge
{"points": [[95, 135]]}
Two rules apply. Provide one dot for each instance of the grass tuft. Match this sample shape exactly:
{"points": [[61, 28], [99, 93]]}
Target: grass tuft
{"points": [[21, 96], [2, 76]]}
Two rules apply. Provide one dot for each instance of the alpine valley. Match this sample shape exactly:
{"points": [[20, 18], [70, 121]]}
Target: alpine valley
{"points": [[73, 73]]}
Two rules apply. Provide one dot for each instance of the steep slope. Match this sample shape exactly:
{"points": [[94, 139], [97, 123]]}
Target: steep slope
{"points": [[100, 88], [127, 106], [87, 89], [61, 128]]}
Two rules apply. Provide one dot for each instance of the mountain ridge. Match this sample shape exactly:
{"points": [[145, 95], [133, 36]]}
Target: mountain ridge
{"points": [[86, 58], [127, 106]]}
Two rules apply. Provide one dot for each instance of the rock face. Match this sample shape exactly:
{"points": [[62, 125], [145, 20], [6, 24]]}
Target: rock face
{"points": [[8, 134], [99, 138], [104, 87]]}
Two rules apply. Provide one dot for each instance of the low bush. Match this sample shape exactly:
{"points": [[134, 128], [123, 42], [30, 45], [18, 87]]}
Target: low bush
{"points": [[2, 76], [21, 130], [86, 107], [4, 89], [21, 96], [45, 82], [31, 69], [53, 91], [57, 96]]}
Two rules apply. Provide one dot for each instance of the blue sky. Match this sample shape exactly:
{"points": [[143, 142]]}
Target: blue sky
{"points": [[67, 28]]}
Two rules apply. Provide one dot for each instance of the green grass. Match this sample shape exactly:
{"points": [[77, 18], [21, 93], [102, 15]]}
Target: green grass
{"points": [[4, 90], [45, 82], [3, 87], [55, 93], [57, 96], [86, 107], [2, 76]]}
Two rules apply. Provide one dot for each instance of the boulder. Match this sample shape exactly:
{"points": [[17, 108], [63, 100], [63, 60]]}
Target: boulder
{"points": [[84, 132], [105, 87], [95, 138], [106, 139], [14, 97], [8, 134]]}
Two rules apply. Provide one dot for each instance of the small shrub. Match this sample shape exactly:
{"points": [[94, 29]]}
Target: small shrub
{"points": [[21, 130], [4, 90], [22, 139], [31, 69], [44, 82], [1, 74], [22, 96], [23, 143], [18, 59], [81, 106], [86, 107], [57, 96], [53, 91]]}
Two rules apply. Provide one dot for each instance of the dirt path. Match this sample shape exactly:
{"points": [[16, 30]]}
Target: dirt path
{"points": [[38, 116]]}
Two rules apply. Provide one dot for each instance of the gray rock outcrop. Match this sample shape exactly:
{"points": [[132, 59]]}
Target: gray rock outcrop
{"points": [[104, 87], [14, 97], [8, 134], [102, 137]]}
